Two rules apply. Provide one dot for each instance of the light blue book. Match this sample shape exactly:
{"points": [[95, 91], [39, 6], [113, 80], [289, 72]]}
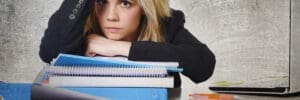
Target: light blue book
{"points": [[75, 60], [91, 93], [125, 93], [14, 91], [27, 91]]}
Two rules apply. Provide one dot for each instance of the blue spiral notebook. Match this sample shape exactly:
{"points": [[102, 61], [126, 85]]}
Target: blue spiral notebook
{"points": [[75, 60]]}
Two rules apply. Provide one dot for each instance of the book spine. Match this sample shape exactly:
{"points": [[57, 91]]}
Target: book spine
{"points": [[107, 71], [73, 81]]}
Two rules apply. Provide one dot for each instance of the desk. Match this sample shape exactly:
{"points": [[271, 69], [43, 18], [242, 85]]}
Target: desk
{"points": [[22, 92], [190, 87]]}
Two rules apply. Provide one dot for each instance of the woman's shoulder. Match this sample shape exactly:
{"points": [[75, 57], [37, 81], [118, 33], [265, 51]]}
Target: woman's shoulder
{"points": [[177, 18], [174, 24]]}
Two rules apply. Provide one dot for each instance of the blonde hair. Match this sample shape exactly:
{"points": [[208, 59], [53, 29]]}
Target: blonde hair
{"points": [[151, 25]]}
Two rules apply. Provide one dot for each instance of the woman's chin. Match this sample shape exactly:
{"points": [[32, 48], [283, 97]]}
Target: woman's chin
{"points": [[118, 38], [115, 38]]}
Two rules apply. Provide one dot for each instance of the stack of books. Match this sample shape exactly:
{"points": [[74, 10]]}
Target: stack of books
{"points": [[105, 75]]}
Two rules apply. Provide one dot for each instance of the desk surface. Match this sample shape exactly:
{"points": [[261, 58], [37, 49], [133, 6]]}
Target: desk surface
{"points": [[23, 91], [189, 87]]}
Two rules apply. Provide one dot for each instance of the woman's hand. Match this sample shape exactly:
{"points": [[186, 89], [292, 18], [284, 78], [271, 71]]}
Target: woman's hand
{"points": [[100, 45]]}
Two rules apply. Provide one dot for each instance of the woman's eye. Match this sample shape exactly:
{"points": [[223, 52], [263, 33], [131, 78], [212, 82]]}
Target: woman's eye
{"points": [[125, 4], [102, 2]]}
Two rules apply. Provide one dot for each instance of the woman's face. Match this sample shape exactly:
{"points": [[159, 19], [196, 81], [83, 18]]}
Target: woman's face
{"points": [[119, 19]]}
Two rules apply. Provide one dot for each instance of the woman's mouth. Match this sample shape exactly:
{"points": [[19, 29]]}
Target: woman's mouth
{"points": [[112, 29]]}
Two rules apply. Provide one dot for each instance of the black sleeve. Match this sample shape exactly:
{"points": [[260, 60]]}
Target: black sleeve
{"points": [[65, 30], [194, 57]]}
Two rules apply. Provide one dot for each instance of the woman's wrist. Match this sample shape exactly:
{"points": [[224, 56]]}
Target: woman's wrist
{"points": [[122, 48]]}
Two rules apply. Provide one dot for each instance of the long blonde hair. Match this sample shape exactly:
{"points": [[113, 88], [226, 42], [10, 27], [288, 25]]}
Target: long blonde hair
{"points": [[151, 25]]}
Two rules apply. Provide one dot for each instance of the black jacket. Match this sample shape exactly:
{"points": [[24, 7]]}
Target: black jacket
{"points": [[65, 35]]}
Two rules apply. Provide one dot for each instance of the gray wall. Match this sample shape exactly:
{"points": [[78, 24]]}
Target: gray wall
{"points": [[22, 23], [244, 34], [249, 38]]}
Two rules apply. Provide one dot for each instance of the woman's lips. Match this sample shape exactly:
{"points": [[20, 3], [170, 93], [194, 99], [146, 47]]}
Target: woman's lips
{"points": [[112, 29]]}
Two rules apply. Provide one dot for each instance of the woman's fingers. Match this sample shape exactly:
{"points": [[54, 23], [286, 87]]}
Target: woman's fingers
{"points": [[90, 54]]}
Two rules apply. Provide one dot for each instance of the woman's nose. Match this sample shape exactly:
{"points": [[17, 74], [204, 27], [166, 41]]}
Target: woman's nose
{"points": [[112, 14]]}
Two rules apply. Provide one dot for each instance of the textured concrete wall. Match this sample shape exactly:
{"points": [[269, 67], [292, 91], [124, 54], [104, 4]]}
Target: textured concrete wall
{"points": [[249, 37], [22, 23]]}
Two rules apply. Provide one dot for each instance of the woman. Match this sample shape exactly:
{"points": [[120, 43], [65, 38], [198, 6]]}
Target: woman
{"points": [[142, 30]]}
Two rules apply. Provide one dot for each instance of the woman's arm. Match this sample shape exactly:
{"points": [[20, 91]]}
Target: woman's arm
{"points": [[65, 30], [195, 58], [100, 45]]}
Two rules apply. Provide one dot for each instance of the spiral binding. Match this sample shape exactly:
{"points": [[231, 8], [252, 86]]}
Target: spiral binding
{"points": [[107, 71], [117, 65]]}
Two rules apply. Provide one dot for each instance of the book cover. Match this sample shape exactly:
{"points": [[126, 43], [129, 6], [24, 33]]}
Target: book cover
{"points": [[27, 91], [126, 93], [44, 92], [15, 91], [75, 60]]}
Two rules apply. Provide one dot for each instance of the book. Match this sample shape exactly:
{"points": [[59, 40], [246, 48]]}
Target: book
{"points": [[28, 91], [105, 71], [83, 61], [105, 77], [79, 81], [113, 73], [79, 71], [108, 77], [14, 91], [125, 93]]}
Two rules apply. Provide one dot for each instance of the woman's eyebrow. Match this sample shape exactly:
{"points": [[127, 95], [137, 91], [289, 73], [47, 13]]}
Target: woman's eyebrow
{"points": [[103, 1], [127, 0]]}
